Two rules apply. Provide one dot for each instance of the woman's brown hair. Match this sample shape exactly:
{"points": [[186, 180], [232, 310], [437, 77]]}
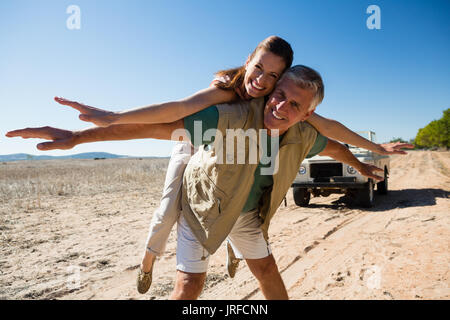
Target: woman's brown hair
{"points": [[235, 76]]}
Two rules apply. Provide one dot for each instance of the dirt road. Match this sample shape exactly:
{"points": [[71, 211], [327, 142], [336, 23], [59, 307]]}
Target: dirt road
{"points": [[399, 249]]}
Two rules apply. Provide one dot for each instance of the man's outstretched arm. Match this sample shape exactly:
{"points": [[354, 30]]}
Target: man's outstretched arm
{"points": [[66, 139], [340, 153]]}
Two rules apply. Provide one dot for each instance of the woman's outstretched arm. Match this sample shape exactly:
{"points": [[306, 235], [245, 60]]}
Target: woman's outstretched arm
{"points": [[337, 131], [156, 113]]}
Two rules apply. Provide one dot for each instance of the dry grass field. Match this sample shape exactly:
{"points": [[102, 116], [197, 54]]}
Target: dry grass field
{"points": [[48, 210], [31, 180], [75, 229]]}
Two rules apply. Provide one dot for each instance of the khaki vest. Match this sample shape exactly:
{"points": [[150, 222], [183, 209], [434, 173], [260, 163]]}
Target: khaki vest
{"points": [[214, 192]]}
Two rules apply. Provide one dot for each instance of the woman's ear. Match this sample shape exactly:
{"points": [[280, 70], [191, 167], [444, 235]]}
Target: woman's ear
{"points": [[247, 61]]}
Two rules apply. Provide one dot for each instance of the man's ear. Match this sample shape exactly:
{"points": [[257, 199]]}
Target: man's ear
{"points": [[308, 114]]}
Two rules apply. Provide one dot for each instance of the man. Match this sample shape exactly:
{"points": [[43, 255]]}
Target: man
{"points": [[234, 200]]}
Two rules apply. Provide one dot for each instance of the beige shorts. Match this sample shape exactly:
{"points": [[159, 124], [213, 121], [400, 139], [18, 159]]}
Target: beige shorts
{"points": [[246, 239]]}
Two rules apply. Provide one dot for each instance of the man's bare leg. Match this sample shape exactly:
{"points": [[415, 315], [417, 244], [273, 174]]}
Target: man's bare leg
{"points": [[188, 286], [270, 282]]}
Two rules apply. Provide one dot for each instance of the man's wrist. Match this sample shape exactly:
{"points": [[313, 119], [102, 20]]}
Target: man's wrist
{"points": [[360, 167], [77, 138]]}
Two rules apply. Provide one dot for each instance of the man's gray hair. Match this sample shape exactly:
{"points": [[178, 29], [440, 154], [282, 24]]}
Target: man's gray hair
{"points": [[307, 78]]}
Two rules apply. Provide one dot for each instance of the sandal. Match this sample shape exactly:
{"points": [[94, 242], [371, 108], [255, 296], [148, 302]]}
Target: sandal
{"points": [[144, 280], [232, 261]]}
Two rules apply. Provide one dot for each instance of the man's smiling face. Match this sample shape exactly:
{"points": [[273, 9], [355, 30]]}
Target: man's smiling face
{"points": [[287, 105]]}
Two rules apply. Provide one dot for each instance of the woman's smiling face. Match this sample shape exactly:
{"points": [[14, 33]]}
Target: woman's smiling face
{"points": [[262, 73]]}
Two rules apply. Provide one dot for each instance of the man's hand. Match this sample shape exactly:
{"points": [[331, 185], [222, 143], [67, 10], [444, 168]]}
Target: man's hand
{"points": [[341, 153], [394, 148], [61, 139], [369, 171], [99, 117]]}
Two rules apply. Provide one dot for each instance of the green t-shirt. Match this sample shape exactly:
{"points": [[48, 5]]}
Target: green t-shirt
{"points": [[209, 119]]}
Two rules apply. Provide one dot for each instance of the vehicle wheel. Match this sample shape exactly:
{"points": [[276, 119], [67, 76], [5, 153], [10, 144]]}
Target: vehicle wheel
{"points": [[382, 186], [365, 195], [301, 196]]}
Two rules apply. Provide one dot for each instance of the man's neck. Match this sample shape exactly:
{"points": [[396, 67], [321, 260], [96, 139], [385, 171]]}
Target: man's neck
{"points": [[274, 133]]}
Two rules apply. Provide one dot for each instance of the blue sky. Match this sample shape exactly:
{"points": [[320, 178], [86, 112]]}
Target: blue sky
{"points": [[132, 53]]}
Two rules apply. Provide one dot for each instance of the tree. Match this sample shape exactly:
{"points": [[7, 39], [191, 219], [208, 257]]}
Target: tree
{"points": [[436, 133]]}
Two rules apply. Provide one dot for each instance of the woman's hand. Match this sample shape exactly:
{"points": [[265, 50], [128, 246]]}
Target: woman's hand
{"points": [[394, 148], [99, 117], [61, 139]]}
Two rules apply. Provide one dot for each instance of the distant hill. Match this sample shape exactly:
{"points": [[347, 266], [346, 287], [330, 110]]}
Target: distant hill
{"points": [[87, 155]]}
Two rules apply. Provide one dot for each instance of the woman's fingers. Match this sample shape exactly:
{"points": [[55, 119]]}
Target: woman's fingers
{"points": [[398, 152], [98, 120], [77, 106], [396, 148], [63, 101], [99, 117], [404, 145], [85, 117]]}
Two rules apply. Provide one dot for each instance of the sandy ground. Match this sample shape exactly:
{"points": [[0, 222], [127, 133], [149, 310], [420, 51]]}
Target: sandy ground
{"points": [[78, 247]]}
